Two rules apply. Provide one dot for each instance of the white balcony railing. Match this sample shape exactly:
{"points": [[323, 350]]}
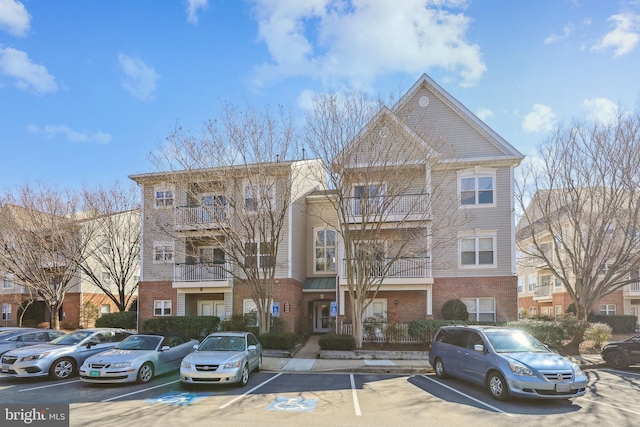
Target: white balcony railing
{"points": [[200, 216], [203, 272], [403, 268], [543, 290], [389, 207], [634, 288]]}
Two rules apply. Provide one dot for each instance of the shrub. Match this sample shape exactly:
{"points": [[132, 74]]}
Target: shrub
{"points": [[550, 333], [120, 319], [237, 322], [278, 341], [425, 329], [455, 309], [620, 324], [196, 327], [337, 342], [598, 333]]}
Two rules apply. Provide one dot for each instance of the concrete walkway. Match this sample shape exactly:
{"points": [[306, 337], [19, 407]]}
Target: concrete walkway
{"points": [[306, 360]]}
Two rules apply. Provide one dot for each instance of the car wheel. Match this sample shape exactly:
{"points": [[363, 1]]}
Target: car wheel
{"points": [[145, 373], [259, 366], [244, 377], [497, 386], [438, 367], [617, 359], [62, 369]]}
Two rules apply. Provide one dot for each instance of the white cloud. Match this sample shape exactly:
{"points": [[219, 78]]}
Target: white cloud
{"points": [[625, 35], [14, 18], [52, 131], [192, 10], [541, 119], [27, 75], [357, 41], [140, 80], [566, 32], [601, 110], [484, 113]]}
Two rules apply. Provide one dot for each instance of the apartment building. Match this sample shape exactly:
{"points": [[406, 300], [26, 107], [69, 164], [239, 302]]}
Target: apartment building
{"points": [[186, 262]]}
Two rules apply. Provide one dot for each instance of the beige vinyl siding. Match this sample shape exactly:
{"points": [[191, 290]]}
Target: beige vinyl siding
{"points": [[321, 213], [466, 141], [482, 218], [298, 241], [153, 233]]}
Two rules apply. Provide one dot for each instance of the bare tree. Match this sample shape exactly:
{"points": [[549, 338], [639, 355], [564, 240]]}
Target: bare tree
{"points": [[42, 242], [579, 203], [388, 189], [112, 260], [242, 165]]}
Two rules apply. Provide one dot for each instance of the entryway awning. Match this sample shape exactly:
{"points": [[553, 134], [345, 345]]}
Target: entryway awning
{"points": [[319, 284]]}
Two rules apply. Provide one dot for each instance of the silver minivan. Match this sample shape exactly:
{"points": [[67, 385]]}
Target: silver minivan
{"points": [[508, 362]]}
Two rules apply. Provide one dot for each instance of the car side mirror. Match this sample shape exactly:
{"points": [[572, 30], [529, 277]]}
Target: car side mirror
{"points": [[478, 347], [196, 346], [90, 344], [252, 347], [164, 348]]}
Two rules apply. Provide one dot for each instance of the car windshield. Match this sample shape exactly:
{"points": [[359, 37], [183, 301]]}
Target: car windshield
{"points": [[222, 343], [72, 338], [515, 342], [137, 342]]}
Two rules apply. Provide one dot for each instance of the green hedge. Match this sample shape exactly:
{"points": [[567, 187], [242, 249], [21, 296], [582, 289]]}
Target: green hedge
{"points": [[278, 341], [196, 327], [426, 328], [550, 333], [337, 342], [120, 319], [620, 324]]}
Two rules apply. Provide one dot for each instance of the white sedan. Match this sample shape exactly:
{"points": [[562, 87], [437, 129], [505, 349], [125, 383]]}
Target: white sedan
{"points": [[138, 358], [223, 358]]}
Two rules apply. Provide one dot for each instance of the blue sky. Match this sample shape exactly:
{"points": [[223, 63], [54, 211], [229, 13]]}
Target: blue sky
{"points": [[89, 88]]}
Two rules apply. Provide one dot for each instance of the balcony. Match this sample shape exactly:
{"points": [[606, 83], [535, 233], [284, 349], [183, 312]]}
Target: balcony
{"points": [[201, 275], [201, 217], [410, 207], [404, 268], [632, 289], [543, 292]]}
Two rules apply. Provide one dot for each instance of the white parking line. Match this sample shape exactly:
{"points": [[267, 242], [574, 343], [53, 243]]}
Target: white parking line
{"points": [[622, 372], [138, 391], [48, 385], [469, 397], [355, 396], [247, 392], [611, 406]]}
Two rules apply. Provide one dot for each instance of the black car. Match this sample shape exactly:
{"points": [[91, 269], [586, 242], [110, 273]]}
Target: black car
{"points": [[621, 354]]}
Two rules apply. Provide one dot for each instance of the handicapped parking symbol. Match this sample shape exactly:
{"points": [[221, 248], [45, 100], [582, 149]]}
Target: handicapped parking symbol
{"points": [[177, 398], [293, 404]]}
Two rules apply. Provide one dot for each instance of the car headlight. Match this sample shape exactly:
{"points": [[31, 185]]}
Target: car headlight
{"points": [[34, 356], [121, 365], [521, 370], [185, 365], [232, 365], [577, 371]]}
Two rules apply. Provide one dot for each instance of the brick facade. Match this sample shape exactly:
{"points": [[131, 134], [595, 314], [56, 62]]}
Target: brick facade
{"points": [[148, 292], [564, 299]]}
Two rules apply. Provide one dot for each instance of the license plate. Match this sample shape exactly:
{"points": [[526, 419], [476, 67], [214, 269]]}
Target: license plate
{"points": [[563, 387], [94, 373], [5, 368]]}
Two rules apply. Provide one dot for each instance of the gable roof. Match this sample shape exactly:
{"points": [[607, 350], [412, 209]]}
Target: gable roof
{"points": [[427, 82]]}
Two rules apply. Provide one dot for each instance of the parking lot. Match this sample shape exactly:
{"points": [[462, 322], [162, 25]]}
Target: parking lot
{"points": [[273, 398]]}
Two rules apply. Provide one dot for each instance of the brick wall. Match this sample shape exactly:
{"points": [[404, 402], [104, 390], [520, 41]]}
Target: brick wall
{"points": [[148, 292], [503, 288], [564, 299]]}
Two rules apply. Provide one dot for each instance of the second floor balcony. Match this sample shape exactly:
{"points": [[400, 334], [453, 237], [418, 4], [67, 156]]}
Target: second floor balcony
{"points": [[200, 217], [543, 292], [633, 289], [388, 268], [201, 275]]}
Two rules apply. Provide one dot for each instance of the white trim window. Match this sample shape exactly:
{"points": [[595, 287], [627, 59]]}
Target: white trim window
{"points": [[377, 309], [106, 277], [105, 309], [163, 196], [250, 312], [520, 285], [6, 311], [162, 307], [7, 284], [476, 187], [325, 250], [558, 311], [478, 251], [259, 255], [162, 252], [481, 309], [259, 197], [368, 198], [533, 282], [608, 309], [533, 310]]}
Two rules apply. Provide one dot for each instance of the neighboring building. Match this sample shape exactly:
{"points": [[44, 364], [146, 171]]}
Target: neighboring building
{"points": [[480, 264], [83, 303]]}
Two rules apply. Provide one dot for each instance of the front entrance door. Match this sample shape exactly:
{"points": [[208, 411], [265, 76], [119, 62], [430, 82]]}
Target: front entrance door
{"points": [[321, 316], [205, 308], [219, 309]]}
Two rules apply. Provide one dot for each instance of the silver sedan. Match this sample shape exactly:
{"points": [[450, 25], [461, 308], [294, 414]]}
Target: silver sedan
{"points": [[137, 358], [223, 358]]}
